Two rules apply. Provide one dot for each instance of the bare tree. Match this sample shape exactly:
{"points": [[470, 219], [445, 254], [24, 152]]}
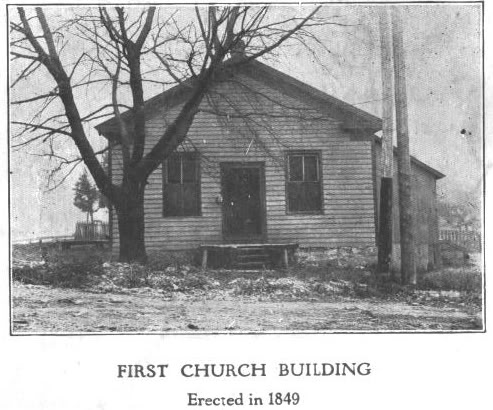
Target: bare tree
{"points": [[124, 51]]}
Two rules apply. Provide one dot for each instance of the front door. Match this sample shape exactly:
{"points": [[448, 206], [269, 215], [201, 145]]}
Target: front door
{"points": [[243, 201]]}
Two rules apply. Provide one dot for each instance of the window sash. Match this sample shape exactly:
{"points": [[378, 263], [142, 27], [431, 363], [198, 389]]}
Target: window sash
{"points": [[303, 168], [181, 194], [304, 192], [180, 160]]}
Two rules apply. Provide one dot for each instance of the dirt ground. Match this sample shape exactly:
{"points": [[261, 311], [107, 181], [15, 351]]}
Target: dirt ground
{"points": [[47, 310]]}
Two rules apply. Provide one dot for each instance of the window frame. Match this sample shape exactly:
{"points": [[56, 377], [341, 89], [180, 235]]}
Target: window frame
{"points": [[195, 156], [303, 153]]}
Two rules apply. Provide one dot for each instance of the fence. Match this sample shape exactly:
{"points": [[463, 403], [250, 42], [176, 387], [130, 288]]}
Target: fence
{"points": [[96, 231], [468, 239], [42, 239]]}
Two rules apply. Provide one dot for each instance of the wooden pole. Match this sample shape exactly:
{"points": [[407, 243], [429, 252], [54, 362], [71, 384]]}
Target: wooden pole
{"points": [[386, 192], [406, 223]]}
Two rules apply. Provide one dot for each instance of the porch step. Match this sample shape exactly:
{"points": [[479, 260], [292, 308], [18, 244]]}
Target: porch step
{"points": [[252, 258], [247, 256], [250, 265], [250, 249]]}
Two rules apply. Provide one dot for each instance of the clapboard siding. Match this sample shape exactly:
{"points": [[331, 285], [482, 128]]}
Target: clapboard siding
{"points": [[348, 197]]}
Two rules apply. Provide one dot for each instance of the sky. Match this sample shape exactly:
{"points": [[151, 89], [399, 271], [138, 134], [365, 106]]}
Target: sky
{"points": [[443, 70]]}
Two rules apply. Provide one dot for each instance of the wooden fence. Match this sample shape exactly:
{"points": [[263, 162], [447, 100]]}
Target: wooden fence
{"points": [[468, 239], [42, 239], [96, 231]]}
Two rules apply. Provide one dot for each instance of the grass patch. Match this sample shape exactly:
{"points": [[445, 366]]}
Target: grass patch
{"points": [[461, 279]]}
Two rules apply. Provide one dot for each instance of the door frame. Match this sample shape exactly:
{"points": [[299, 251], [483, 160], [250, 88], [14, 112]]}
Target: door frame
{"points": [[262, 237]]}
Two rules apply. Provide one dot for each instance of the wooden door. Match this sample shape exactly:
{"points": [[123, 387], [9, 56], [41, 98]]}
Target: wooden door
{"points": [[243, 192]]}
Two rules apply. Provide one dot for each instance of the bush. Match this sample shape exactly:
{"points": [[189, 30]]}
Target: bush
{"points": [[135, 275], [197, 281], [72, 268], [60, 274], [33, 275], [161, 260], [73, 275], [465, 279]]}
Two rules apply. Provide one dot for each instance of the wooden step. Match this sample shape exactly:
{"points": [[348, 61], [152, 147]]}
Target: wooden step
{"points": [[254, 256], [250, 265], [248, 256], [251, 250]]}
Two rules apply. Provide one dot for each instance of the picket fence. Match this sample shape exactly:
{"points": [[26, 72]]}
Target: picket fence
{"points": [[96, 231], [468, 239]]}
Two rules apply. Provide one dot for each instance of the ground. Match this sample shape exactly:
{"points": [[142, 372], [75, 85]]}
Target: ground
{"points": [[326, 292], [50, 310]]}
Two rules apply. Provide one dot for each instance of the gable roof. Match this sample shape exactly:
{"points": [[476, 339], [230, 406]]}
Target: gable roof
{"points": [[351, 117]]}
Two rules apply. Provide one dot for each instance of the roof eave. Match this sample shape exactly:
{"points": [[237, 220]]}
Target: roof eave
{"points": [[170, 98], [437, 174]]}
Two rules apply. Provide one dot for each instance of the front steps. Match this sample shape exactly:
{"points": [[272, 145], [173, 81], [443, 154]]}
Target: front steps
{"points": [[247, 256], [252, 258]]}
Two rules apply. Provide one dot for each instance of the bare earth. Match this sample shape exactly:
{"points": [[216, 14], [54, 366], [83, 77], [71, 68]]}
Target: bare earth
{"points": [[46, 310]]}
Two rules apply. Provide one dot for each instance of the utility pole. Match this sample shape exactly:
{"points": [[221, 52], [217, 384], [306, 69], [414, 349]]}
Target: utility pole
{"points": [[386, 188], [406, 223]]}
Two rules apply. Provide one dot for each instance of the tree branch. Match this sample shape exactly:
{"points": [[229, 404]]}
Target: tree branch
{"points": [[146, 29]]}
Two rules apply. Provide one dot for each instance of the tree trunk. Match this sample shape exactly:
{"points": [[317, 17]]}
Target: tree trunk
{"points": [[131, 226]]}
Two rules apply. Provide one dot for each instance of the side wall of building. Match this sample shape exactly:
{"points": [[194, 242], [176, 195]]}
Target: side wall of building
{"points": [[424, 210], [348, 217]]}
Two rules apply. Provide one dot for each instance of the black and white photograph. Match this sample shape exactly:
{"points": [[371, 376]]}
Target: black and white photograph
{"points": [[246, 168], [244, 204]]}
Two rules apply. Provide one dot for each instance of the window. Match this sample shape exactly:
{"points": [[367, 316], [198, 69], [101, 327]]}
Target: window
{"points": [[303, 183], [181, 185]]}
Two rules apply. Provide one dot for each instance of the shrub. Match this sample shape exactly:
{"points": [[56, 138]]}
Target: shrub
{"points": [[73, 275], [63, 268], [136, 275], [197, 281], [464, 279], [60, 274], [161, 260], [33, 275]]}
